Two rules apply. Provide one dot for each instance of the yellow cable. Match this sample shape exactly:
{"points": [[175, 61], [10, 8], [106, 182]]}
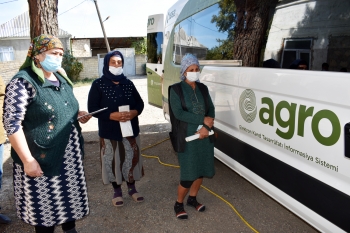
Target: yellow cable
{"points": [[218, 196]]}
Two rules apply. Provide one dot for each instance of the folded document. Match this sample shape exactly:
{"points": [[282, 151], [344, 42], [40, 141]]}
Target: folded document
{"points": [[196, 136], [125, 127]]}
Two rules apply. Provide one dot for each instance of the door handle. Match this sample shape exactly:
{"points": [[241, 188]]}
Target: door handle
{"points": [[149, 72]]}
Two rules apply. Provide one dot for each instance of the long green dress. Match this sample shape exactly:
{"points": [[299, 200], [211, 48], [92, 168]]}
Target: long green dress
{"points": [[198, 158]]}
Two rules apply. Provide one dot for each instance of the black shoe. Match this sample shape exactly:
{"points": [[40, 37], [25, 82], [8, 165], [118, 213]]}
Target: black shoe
{"points": [[4, 219], [194, 203], [180, 211]]}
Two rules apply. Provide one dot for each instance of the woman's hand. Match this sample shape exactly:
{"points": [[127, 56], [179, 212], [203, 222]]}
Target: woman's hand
{"points": [[203, 133], [30, 165], [32, 168], [209, 121], [123, 116], [132, 114], [84, 119]]}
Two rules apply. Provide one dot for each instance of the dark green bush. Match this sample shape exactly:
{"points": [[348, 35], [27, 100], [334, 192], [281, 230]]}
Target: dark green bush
{"points": [[71, 65]]}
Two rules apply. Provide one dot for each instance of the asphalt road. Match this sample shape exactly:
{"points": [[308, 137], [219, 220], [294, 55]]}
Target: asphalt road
{"points": [[159, 189]]}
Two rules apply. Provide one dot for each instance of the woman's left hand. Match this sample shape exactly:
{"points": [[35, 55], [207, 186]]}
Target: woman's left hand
{"points": [[132, 114], [203, 133], [84, 119]]}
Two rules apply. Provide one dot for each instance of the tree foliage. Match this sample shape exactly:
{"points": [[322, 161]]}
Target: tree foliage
{"points": [[246, 22], [71, 65], [225, 22], [140, 46], [43, 17]]}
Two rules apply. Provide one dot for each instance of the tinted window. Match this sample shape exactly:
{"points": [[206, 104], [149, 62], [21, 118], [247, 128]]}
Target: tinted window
{"points": [[154, 47], [287, 31], [315, 32], [200, 36]]}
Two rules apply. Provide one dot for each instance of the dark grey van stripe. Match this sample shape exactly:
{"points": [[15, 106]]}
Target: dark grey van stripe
{"points": [[323, 199]]}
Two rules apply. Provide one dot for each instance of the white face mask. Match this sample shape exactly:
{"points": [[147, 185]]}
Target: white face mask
{"points": [[193, 76], [116, 70]]}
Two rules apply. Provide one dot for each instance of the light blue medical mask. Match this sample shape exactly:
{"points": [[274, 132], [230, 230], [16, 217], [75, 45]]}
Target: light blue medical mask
{"points": [[51, 63]]}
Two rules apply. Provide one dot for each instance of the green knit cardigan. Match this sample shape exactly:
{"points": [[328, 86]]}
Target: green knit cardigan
{"points": [[48, 121]]}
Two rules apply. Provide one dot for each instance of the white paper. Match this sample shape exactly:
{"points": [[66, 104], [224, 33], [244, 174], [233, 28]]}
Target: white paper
{"points": [[125, 127], [92, 113], [196, 136]]}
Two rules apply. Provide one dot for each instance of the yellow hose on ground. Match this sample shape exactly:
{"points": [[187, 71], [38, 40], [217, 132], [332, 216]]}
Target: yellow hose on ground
{"points": [[216, 195]]}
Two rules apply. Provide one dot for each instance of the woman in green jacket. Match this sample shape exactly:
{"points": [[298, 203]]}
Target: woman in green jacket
{"points": [[197, 161], [41, 121]]}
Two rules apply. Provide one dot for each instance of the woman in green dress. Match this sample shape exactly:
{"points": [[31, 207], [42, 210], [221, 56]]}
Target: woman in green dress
{"points": [[197, 161]]}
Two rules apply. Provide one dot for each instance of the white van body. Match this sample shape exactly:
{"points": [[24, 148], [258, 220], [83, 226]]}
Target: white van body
{"points": [[283, 130]]}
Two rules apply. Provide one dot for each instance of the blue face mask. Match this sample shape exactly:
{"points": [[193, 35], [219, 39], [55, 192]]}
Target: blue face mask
{"points": [[51, 63]]}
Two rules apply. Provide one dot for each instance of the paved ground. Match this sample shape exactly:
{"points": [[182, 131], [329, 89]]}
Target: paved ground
{"points": [[159, 189]]}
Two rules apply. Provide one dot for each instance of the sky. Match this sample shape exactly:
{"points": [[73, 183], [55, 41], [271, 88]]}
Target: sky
{"points": [[80, 19]]}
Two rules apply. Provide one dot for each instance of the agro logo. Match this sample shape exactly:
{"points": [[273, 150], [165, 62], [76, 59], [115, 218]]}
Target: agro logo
{"points": [[150, 21], [297, 119], [271, 113], [247, 105]]}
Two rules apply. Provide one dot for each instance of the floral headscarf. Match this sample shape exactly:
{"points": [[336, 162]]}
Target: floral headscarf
{"points": [[39, 45], [187, 60]]}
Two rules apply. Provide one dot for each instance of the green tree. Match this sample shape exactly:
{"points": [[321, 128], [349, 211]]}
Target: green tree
{"points": [[140, 46], [225, 21], [246, 23], [43, 17], [71, 65]]}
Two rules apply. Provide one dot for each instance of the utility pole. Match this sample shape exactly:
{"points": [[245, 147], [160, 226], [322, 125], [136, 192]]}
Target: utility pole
{"points": [[103, 29]]}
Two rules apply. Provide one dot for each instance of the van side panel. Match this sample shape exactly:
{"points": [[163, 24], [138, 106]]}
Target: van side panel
{"points": [[282, 139]]}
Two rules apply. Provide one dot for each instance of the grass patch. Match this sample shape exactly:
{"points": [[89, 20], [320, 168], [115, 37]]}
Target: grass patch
{"points": [[83, 82]]}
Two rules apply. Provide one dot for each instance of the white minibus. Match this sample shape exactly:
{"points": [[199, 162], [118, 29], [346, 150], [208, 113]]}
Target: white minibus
{"points": [[275, 72]]}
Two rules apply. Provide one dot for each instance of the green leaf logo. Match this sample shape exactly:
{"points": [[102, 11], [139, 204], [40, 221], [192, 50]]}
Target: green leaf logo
{"points": [[247, 105]]}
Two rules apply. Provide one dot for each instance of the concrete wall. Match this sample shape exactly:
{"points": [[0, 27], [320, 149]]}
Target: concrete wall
{"points": [[90, 65], [8, 69], [78, 48], [308, 19], [21, 46], [140, 62]]}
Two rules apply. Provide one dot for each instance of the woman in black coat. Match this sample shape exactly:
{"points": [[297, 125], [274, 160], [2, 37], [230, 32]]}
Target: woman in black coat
{"points": [[120, 155]]}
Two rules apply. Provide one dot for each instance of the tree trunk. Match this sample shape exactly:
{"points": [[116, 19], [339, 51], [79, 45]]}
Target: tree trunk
{"points": [[252, 22], [43, 17]]}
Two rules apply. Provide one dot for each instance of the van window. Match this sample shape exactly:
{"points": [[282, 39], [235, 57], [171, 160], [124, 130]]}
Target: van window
{"points": [[315, 32], [154, 47], [307, 33], [199, 35]]}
